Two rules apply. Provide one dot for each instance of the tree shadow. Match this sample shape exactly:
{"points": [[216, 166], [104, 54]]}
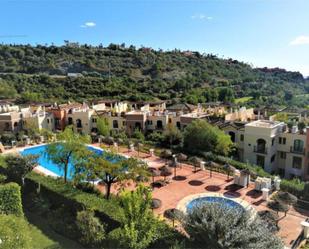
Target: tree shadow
{"points": [[233, 187], [195, 183], [254, 193], [179, 178], [213, 188], [42, 224], [231, 194]]}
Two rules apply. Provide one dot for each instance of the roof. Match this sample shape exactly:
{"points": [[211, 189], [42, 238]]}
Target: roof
{"points": [[181, 107], [264, 123]]}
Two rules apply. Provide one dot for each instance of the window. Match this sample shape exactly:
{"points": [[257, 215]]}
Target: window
{"points": [[48, 121], [115, 124], [272, 142], [170, 120], [78, 123], [297, 161], [298, 145], [94, 120], [282, 155], [178, 125], [272, 159], [242, 137], [282, 140]]}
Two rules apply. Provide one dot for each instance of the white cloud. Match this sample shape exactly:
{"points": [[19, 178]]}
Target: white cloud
{"points": [[202, 17], [88, 25], [300, 40]]}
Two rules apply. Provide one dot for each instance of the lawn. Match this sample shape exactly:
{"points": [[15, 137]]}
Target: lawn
{"points": [[43, 237], [243, 100]]}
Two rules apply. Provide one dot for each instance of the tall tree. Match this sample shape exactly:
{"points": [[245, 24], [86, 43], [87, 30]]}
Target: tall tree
{"points": [[111, 168], [200, 136], [19, 166], [103, 126], [70, 148], [140, 226], [215, 226], [172, 135]]}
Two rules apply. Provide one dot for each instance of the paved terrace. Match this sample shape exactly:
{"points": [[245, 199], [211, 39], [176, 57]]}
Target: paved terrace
{"points": [[200, 182]]}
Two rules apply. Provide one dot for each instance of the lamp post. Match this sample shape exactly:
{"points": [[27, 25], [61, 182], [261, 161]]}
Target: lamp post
{"points": [[175, 164]]}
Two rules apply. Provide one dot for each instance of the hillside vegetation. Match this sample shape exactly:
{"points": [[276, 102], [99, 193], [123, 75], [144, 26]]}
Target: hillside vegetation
{"points": [[40, 73]]}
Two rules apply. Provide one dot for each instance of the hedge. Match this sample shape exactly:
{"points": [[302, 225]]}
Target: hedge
{"points": [[294, 186], [65, 194], [10, 199]]}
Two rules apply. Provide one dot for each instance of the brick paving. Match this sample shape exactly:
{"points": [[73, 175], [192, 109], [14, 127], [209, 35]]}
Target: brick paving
{"points": [[192, 182]]}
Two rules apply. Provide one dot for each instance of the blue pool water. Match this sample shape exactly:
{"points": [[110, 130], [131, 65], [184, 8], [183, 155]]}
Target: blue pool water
{"points": [[214, 199], [47, 164]]}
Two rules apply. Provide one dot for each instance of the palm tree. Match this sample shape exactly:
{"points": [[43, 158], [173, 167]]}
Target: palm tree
{"points": [[215, 226]]}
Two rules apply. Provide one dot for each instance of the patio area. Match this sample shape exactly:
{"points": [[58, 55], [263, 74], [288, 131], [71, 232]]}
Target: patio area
{"points": [[189, 182]]}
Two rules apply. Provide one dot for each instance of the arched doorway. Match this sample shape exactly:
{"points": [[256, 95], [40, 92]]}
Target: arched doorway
{"points": [[159, 124], [78, 123], [261, 145], [232, 135]]}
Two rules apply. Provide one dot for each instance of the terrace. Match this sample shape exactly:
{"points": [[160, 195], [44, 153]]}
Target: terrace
{"points": [[189, 183]]}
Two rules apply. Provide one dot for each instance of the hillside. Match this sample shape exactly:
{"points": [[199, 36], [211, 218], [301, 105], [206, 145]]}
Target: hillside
{"points": [[116, 71]]}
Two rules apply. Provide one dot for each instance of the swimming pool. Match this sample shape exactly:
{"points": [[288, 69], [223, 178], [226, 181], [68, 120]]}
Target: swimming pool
{"points": [[49, 165], [225, 202]]}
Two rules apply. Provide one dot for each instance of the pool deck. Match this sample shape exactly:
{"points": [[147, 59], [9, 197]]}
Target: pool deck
{"points": [[200, 182], [193, 183]]}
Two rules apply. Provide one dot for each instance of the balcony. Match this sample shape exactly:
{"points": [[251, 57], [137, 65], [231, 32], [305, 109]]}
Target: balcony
{"points": [[260, 150], [295, 150]]}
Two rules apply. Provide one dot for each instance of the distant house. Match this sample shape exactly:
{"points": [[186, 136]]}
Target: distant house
{"points": [[74, 75], [182, 107]]}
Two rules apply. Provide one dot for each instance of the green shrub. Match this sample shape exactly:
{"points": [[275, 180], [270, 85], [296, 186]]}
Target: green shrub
{"points": [[10, 199], [14, 232], [60, 194], [2, 178], [91, 229], [257, 170], [294, 186]]}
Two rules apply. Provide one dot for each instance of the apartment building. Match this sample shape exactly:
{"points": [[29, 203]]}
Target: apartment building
{"points": [[11, 121], [110, 105], [36, 116], [272, 146], [61, 113], [80, 119]]}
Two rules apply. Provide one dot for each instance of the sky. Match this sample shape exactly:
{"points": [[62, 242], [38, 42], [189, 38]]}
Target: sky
{"points": [[273, 33]]}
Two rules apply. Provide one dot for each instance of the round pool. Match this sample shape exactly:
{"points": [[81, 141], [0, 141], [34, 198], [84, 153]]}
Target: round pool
{"points": [[224, 202]]}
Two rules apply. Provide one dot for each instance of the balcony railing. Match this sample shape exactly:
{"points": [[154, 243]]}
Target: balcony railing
{"points": [[296, 150], [261, 150]]}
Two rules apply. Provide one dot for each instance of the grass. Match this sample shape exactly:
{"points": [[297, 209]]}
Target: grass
{"points": [[243, 100], [43, 237]]}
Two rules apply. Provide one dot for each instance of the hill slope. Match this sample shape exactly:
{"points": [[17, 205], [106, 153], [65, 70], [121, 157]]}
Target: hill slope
{"points": [[116, 71]]}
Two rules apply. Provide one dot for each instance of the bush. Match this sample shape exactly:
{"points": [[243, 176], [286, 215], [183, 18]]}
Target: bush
{"points": [[2, 178], [91, 229], [256, 170], [7, 139], [294, 186], [60, 194], [18, 166], [14, 232], [10, 199]]}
